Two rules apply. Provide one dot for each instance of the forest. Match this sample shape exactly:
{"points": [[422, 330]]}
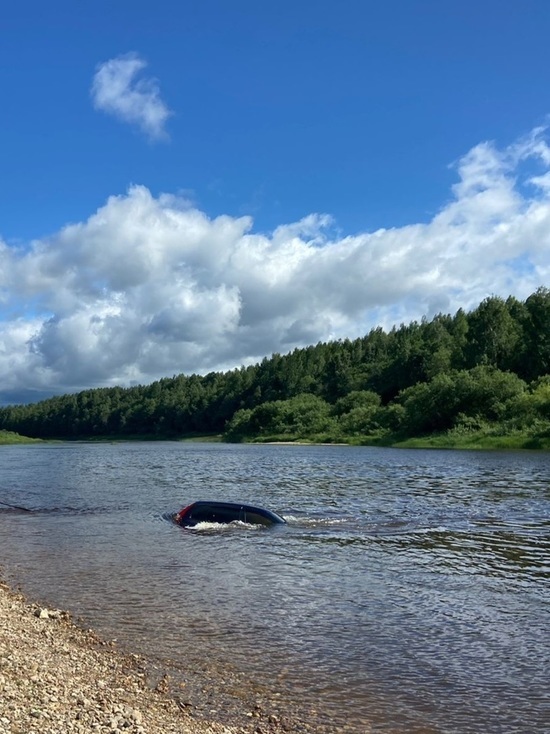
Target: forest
{"points": [[472, 379]]}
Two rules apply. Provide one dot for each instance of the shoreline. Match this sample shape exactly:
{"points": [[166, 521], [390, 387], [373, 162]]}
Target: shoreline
{"points": [[56, 676], [469, 441]]}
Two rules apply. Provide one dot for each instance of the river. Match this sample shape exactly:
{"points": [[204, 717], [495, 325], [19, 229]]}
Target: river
{"points": [[408, 592]]}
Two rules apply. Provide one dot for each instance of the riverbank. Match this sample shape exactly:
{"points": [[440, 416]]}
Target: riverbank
{"points": [[56, 677], [488, 439], [9, 437]]}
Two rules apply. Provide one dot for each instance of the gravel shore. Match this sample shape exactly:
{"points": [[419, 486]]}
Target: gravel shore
{"points": [[56, 678]]}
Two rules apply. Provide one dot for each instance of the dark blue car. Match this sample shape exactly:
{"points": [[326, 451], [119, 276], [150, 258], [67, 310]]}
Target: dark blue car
{"points": [[226, 512]]}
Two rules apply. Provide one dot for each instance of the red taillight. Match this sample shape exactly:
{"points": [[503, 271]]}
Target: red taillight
{"points": [[181, 514]]}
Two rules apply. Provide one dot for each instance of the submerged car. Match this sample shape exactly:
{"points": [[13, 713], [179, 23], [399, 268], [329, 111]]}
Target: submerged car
{"points": [[226, 512]]}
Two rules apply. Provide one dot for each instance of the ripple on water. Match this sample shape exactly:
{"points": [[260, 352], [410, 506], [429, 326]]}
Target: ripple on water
{"points": [[408, 589]]}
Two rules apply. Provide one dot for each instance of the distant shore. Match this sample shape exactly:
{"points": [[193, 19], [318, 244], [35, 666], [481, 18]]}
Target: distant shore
{"points": [[486, 440], [10, 438]]}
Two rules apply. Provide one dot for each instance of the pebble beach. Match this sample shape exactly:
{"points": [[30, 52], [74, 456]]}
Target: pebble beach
{"points": [[59, 678]]}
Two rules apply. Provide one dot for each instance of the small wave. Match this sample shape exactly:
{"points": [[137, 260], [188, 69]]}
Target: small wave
{"points": [[427, 531], [63, 510], [219, 527], [314, 521], [14, 510]]}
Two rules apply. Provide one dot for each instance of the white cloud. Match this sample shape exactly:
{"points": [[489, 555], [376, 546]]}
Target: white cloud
{"points": [[150, 287], [117, 91]]}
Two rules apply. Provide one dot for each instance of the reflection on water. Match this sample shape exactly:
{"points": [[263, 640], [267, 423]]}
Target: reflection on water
{"points": [[408, 591]]}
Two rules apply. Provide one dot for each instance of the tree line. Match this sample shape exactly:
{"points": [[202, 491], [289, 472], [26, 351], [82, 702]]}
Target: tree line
{"points": [[454, 373]]}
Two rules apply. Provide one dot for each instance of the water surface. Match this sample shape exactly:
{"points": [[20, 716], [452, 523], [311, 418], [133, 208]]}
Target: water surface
{"points": [[409, 591]]}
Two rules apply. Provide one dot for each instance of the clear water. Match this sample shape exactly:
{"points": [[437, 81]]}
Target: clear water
{"points": [[409, 591]]}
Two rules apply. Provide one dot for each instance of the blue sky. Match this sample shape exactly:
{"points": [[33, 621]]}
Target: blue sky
{"points": [[189, 186]]}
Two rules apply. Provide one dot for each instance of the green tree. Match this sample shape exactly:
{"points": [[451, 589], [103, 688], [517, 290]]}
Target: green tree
{"points": [[493, 334], [538, 334], [239, 426], [356, 399], [482, 392]]}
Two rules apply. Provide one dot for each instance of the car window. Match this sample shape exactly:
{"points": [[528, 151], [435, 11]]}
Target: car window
{"points": [[227, 514], [215, 513], [255, 518]]}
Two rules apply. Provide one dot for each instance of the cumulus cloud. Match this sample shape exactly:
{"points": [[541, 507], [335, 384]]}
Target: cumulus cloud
{"points": [[151, 286], [117, 90]]}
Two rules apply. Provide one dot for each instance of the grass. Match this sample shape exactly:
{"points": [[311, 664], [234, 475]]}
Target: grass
{"points": [[481, 440], [486, 438], [9, 437]]}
